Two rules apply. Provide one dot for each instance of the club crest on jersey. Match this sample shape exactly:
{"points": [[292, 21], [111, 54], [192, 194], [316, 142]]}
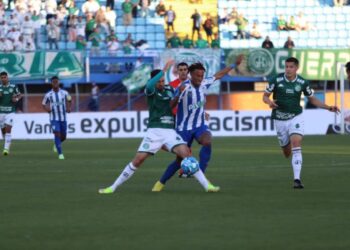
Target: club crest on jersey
{"points": [[297, 88]]}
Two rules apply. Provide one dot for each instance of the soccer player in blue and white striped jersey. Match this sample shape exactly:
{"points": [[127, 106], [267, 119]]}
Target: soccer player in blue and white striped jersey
{"points": [[190, 97], [58, 103]]}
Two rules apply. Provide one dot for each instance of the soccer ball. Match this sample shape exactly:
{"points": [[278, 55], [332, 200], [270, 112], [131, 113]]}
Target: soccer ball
{"points": [[190, 165]]}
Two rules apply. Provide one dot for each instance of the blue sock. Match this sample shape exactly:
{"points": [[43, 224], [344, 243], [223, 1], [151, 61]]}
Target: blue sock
{"points": [[204, 157], [58, 144], [170, 171]]}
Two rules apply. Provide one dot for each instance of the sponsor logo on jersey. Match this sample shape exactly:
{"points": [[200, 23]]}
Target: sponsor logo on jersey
{"points": [[289, 91], [280, 85]]}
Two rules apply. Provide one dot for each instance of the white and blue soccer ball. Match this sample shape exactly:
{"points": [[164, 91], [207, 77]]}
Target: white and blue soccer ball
{"points": [[190, 165]]}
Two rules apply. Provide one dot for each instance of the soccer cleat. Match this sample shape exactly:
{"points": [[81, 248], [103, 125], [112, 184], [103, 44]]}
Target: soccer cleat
{"points": [[61, 157], [54, 149], [108, 190], [298, 184], [158, 187], [6, 152], [212, 189]]}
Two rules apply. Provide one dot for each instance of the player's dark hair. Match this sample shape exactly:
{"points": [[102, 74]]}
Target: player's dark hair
{"points": [[181, 64], [155, 72], [293, 60], [347, 66], [54, 78], [3, 73], [195, 66]]}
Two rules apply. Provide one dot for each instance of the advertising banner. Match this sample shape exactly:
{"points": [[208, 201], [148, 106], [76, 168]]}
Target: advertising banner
{"points": [[315, 64], [133, 124], [210, 58], [41, 64]]}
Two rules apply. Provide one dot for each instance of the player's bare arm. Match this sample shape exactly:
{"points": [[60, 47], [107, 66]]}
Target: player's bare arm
{"points": [[16, 97], [268, 101], [47, 108], [176, 98], [313, 100], [69, 104], [224, 71]]}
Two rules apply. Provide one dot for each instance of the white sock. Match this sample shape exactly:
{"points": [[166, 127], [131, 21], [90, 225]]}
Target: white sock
{"points": [[297, 162], [7, 141], [128, 171], [199, 175]]}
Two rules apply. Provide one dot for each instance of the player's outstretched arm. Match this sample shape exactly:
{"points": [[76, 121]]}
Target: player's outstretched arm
{"points": [[314, 101], [268, 101], [151, 84], [224, 71]]}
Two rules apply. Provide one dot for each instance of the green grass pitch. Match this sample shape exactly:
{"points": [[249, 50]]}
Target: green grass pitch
{"points": [[51, 204]]}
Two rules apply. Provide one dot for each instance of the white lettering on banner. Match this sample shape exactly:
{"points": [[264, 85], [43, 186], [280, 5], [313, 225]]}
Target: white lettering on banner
{"points": [[133, 124]]}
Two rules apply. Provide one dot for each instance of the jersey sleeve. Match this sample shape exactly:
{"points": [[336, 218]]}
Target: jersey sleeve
{"points": [[208, 81], [16, 91], [45, 99], [308, 91], [271, 86], [151, 84]]}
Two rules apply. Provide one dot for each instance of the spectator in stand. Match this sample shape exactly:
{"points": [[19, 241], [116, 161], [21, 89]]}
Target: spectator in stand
{"points": [[52, 31], [196, 23], [241, 23], [135, 5], [174, 41], [6, 45], [128, 44], [201, 43], [255, 32], [94, 102], [111, 36], [215, 44], [170, 18], [110, 4], [289, 44], [267, 44], [101, 21], [301, 22], [208, 28], [112, 46], [13, 22], [90, 25], [144, 8], [281, 23], [37, 28], [13, 34], [160, 9], [127, 8], [233, 15], [27, 30], [95, 40], [72, 28], [3, 28], [51, 8], [187, 42], [61, 14], [224, 17], [80, 26], [80, 44], [18, 45], [90, 6], [111, 18], [72, 9], [291, 24], [338, 3]]}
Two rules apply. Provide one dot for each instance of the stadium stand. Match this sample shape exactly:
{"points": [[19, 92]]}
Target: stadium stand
{"points": [[328, 24]]}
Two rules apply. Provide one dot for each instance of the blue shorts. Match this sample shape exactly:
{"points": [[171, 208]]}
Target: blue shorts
{"points": [[189, 135], [59, 126]]}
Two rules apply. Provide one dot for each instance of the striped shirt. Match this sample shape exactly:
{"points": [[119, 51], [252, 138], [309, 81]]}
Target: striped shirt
{"points": [[190, 109], [57, 101]]}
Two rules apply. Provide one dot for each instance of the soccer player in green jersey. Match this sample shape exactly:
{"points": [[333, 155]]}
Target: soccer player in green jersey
{"points": [[9, 96], [160, 132], [287, 112]]}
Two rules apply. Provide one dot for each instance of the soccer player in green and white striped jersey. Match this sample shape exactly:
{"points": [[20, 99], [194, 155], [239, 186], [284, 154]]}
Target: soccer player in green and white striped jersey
{"points": [[287, 112]]}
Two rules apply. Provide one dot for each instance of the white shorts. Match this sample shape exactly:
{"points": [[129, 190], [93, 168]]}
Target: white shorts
{"points": [[157, 137], [7, 119], [289, 127]]}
